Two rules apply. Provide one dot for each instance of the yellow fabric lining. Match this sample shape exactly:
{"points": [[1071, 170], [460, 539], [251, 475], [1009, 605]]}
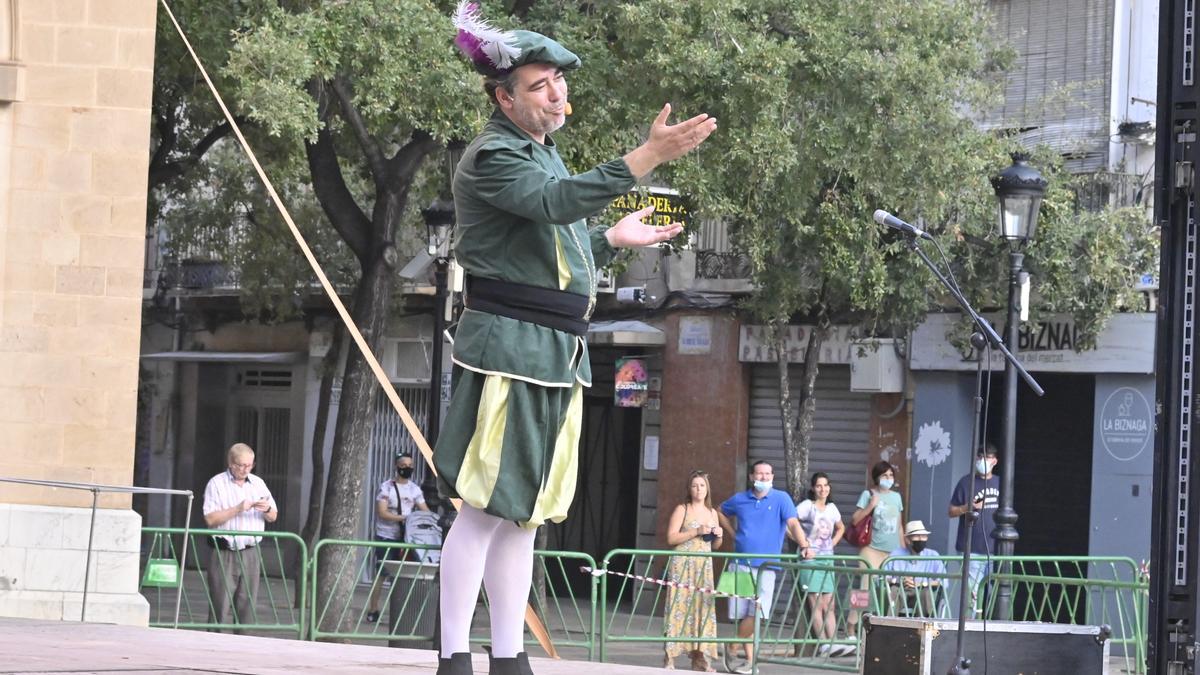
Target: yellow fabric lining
{"points": [[556, 494], [481, 462], [564, 270]]}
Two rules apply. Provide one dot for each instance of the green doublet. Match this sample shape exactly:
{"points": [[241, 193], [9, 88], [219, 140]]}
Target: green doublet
{"points": [[510, 440]]}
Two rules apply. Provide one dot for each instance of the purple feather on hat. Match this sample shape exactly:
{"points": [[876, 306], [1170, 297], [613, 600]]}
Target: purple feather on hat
{"points": [[486, 46]]}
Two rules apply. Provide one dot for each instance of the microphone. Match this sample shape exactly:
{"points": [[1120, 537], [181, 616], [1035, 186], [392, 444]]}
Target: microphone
{"points": [[884, 218]]}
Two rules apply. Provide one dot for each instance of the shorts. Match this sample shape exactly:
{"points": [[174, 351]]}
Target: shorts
{"points": [[741, 609], [815, 580], [386, 554]]}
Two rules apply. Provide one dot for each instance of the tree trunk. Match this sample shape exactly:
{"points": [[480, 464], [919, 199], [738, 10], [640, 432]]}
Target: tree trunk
{"points": [[797, 427], [316, 487], [787, 413], [336, 575]]}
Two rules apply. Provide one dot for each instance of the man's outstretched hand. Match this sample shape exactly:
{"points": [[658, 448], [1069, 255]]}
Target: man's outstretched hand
{"points": [[630, 231], [669, 141]]}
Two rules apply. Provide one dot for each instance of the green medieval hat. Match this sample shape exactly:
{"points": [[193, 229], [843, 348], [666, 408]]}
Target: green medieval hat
{"points": [[496, 52]]}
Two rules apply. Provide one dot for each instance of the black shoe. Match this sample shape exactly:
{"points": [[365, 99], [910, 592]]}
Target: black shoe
{"points": [[458, 664], [372, 617], [506, 666]]}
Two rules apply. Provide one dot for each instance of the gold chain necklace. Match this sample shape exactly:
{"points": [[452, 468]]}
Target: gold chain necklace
{"points": [[589, 266]]}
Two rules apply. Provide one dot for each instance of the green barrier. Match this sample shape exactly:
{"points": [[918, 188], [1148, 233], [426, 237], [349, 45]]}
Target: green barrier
{"points": [[398, 579], [407, 587], [808, 627], [277, 605], [636, 596], [1088, 591], [570, 622]]}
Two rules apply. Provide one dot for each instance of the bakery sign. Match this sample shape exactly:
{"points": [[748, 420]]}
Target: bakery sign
{"points": [[669, 206]]}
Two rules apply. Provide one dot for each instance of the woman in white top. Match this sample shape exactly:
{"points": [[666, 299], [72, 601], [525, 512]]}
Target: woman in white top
{"points": [[823, 525]]}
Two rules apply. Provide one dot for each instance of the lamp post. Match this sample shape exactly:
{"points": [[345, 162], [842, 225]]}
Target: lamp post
{"points": [[439, 229], [439, 222], [1019, 191]]}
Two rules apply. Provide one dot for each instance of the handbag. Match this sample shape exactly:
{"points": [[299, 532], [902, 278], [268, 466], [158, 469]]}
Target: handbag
{"points": [[736, 582], [860, 535]]}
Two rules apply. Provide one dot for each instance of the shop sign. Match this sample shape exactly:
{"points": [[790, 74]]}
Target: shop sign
{"points": [[755, 344], [630, 384], [669, 206], [1126, 345], [1126, 426]]}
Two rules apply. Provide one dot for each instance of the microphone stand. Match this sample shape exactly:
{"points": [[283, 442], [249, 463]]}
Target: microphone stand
{"points": [[986, 334]]}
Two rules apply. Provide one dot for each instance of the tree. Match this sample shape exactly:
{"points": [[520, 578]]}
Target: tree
{"points": [[829, 110]]}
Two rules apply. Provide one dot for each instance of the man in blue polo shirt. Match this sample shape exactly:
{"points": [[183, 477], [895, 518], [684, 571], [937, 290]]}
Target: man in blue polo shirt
{"points": [[763, 517]]}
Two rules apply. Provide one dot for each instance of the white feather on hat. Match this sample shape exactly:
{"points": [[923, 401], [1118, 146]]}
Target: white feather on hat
{"points": [[479, 40]]}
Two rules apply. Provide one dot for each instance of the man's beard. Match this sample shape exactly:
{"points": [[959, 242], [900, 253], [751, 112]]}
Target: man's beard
{"points": [[528, 119]]}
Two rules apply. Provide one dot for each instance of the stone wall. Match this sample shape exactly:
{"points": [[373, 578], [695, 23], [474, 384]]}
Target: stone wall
{"points": [[75, 91]]}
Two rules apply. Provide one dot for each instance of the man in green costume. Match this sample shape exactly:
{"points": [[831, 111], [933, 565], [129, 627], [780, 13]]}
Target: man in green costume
{"points": [[509, 446]]}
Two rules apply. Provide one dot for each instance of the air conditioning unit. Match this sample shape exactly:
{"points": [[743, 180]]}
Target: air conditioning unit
{"points": [[407, 360], [876, 367]]}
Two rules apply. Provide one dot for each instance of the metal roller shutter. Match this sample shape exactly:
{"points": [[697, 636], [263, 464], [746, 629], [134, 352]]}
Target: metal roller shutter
{"points": [[840, 436]]}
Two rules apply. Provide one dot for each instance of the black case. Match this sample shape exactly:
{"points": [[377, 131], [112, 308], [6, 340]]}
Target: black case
{"points": [[904, 646]]}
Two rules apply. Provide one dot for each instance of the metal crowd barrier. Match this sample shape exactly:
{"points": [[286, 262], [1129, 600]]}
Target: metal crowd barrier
{"points": [[408, 611], [624, 600], [1051, 589], [278, 605], [96, 489], [404, 576]]}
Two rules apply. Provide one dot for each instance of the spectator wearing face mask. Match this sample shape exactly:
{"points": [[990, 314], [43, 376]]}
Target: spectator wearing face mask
{"points": [[398, 496], [977, 495], [883, 505], [909, 594]]}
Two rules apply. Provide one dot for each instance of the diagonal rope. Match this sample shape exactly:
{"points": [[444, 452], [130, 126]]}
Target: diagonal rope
{"points": [[531, 618]]}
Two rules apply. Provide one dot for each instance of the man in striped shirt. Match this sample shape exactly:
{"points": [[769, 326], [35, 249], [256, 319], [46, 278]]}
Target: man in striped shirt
{"points": [[236, 500]]}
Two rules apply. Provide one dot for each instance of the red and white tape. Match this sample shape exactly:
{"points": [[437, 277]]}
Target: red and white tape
{"points": [[668, 583]]}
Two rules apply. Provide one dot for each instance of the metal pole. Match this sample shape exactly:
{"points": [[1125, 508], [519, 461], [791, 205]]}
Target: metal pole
{"points": [[88, 561], [1006, 517], [434, 418], [187, 536]]}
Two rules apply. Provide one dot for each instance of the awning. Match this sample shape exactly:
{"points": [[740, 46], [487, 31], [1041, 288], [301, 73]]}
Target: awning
{"points": [[625, 333], [228, 357]]}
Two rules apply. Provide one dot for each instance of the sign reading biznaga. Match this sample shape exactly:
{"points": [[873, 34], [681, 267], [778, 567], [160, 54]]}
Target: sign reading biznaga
{"points": [[1126, 345]]}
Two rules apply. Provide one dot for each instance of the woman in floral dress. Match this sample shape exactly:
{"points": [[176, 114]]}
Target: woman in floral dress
{"points": [[695, 526]]}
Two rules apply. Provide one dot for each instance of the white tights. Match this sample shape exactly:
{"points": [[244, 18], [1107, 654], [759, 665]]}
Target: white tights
{"points": [[499, 553]]}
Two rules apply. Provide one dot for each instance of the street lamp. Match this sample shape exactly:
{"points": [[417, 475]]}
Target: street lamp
{"points": [[1019, 191], [439, 229], [439, 223]]}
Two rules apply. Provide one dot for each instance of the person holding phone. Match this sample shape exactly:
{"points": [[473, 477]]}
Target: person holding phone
{"points": [[239, 501], [695, 526]]}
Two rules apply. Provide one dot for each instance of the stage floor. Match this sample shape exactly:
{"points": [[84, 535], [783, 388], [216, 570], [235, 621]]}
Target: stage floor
{"points": [[28, 646]]}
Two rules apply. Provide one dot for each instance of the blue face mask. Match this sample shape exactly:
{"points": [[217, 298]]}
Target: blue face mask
{"points": [[886, 483], [762, 486], [981, 467]]}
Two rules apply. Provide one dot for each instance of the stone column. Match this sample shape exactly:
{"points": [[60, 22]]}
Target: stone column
{"points": [[75, 91]]}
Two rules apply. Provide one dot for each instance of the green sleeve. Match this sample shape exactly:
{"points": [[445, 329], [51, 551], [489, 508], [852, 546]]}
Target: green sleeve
{"points": [[602, 251], [510, 180]]}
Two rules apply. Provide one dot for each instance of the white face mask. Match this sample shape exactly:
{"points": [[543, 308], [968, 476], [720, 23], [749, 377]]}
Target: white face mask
{"points": [[886, 483], [762, 486], [981, 466]]}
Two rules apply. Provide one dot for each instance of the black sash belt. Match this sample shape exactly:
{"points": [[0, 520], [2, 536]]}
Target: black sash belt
{"points": [[544, 306]]}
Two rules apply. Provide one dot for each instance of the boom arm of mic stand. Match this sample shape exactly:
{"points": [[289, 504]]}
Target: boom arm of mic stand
{"points": [[984, 326]]}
